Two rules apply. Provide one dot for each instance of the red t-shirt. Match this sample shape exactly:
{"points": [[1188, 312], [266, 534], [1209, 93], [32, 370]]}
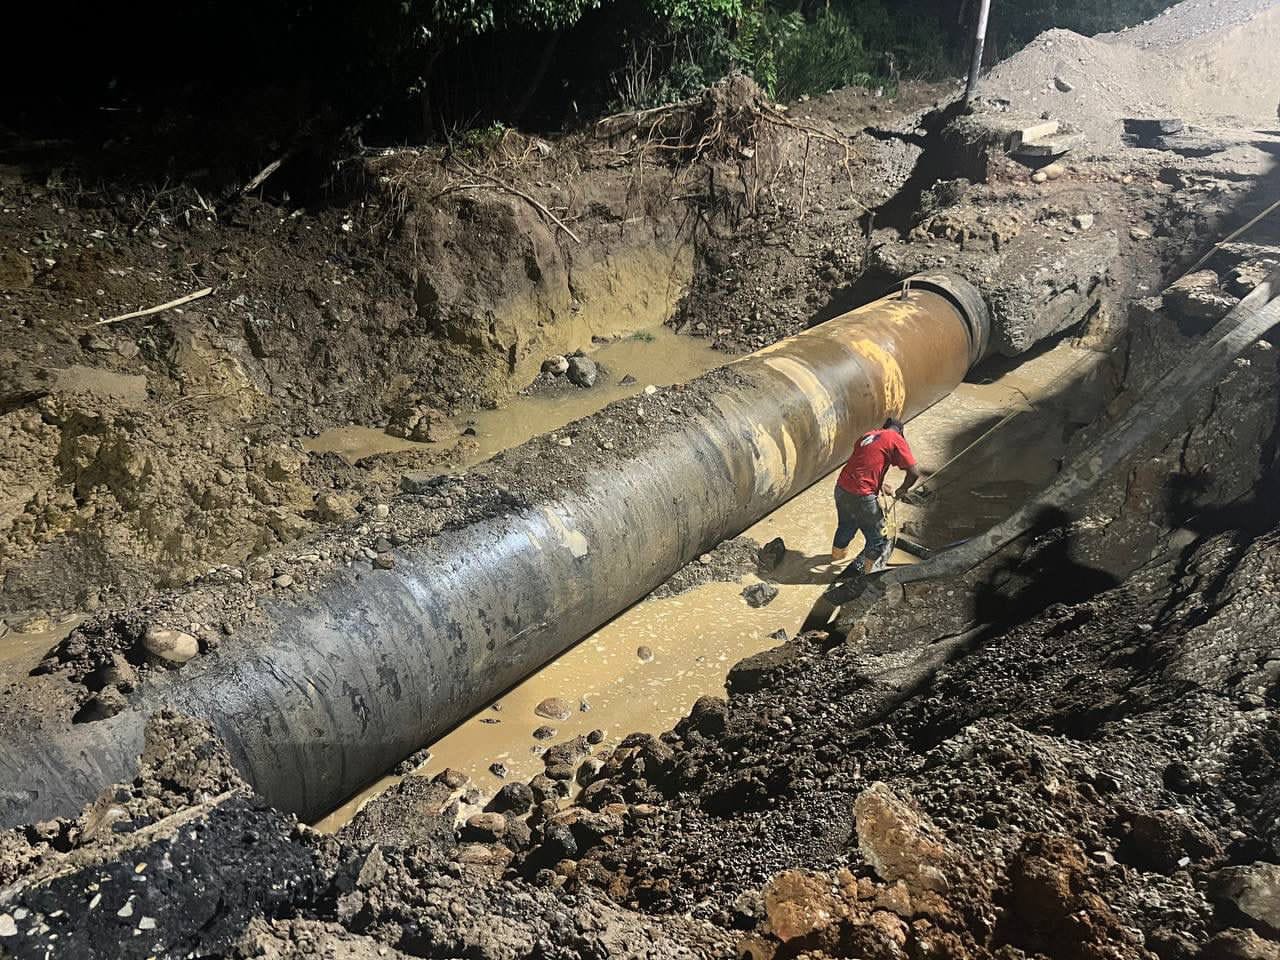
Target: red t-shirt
{"points": [[873, 455]]}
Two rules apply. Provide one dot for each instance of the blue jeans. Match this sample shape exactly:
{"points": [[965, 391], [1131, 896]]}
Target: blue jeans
{"points": [[856, 512]]}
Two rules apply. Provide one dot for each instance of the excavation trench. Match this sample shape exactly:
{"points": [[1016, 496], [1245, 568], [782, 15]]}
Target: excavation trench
{"points": [[359, 673], [641, 671]]}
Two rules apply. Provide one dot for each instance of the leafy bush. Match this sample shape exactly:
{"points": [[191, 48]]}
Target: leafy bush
{"points": [[823, 55]]}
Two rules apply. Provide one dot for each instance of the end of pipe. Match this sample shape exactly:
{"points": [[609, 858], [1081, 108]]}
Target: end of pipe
{"points": [[964, 296]]}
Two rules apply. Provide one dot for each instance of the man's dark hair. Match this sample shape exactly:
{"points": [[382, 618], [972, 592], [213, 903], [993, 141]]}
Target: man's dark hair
{"points": [[892, 424]]}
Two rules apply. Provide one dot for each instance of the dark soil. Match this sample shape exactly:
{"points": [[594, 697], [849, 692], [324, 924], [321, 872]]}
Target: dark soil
{"points": [[1079, 782]]}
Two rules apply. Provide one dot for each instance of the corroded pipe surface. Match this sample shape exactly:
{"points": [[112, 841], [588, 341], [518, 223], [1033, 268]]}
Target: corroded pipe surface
{"points": [[353, 677]]}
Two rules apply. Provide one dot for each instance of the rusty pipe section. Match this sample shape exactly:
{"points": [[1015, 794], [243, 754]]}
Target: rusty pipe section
{"points": [[342, 684]]}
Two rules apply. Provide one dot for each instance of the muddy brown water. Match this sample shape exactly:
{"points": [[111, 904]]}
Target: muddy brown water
{"points": [[22, 650], [695, 637], [657, 356]]}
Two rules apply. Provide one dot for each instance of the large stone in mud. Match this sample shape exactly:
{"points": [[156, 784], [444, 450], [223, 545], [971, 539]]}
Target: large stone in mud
{"points": [[514, 798], [554, 708], [1197, 300], [1163, 840], [899, 842], [759, 594], [771, 555], [583, 371], [1041, 289], [798, 903], [753, 673], [1239, 945], [415, 812], [709, 717], [170, 646], [1253, 890]]}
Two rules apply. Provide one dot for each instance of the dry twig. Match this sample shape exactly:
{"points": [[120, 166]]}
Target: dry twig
{"points": [[157, 309], [265, 172]]}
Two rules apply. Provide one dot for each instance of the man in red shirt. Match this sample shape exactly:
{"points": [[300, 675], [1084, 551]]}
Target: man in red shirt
{"points": [[858, 489]]}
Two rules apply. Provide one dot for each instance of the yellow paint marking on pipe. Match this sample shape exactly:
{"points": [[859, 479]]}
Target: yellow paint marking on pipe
{"points": [[895, 385], [819, 397], [773, 461]]}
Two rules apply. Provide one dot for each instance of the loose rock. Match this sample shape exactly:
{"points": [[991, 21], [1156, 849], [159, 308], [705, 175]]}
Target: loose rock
{"points": [[554, 708], [582, 371], [759, 594], [170, 646]]}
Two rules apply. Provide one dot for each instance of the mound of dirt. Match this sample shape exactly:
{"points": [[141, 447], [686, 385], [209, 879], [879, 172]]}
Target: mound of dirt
{"points": [[1200, 61]]}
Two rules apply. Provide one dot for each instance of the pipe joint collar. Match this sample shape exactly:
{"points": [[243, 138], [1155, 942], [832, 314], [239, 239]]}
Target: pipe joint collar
{"points": [[964, 296]]}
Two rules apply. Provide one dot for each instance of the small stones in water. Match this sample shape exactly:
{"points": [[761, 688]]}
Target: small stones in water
{"points": [[650, 390], [413, 762], [1082, 221], [171, 646], [582, 371], [498, 769], [771, 554], [759, 594], [451, 778], [147, 923], [595, 736], [627, 381], [565, 441], [544, 732], [556, 366], [283, 581], [644, 654], [8, 926], [553, 708], [383, 561]]}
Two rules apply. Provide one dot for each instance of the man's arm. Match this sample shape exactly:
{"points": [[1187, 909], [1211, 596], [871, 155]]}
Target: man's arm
{"points": [[913, 477], [906, 460]]}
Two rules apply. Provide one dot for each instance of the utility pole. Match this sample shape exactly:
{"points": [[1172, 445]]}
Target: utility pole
{"points": [[979, 38]]}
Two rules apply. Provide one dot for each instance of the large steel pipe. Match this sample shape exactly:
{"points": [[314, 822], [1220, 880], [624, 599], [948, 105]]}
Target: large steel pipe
{"points": [[343, 684]]}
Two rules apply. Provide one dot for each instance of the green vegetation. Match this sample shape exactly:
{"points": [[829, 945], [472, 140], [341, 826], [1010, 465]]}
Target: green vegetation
{"points": [[314, 77], [687, 44]]}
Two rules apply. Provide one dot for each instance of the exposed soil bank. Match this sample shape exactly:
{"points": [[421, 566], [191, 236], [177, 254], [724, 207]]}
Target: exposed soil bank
{"points": [[141, 453]]}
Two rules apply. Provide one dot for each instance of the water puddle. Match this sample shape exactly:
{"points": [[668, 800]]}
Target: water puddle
{"points": [[657, 356], [694, 638], [20, 651]]}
